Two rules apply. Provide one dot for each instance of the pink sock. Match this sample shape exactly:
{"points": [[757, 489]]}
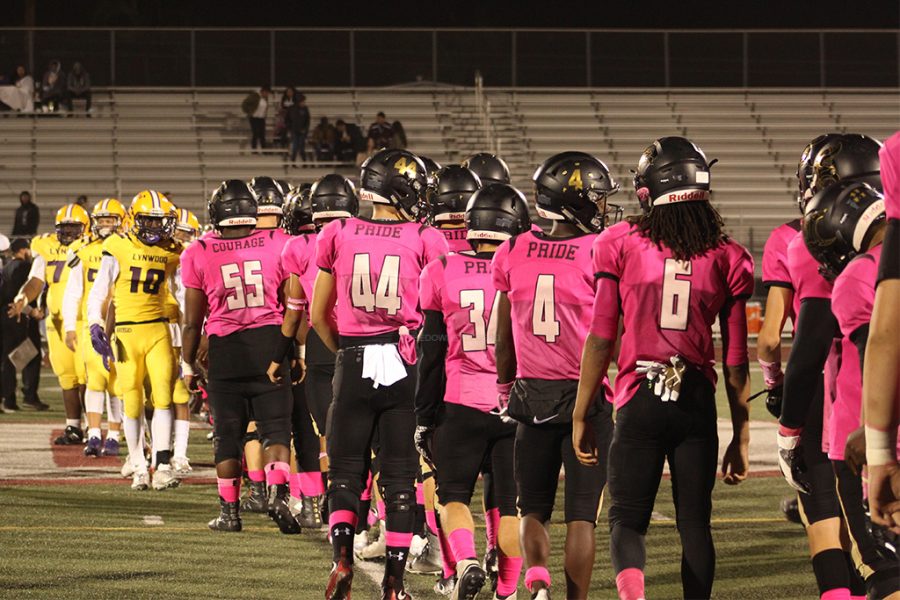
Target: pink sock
{"points": [[491, 526], [420, 493], [857, 598], [431, 521], [537, 574], [836, 594], [229, 488], [510, 568], [462, 542], [367, 491], [447, 561], [630, 583], [296, 488], [397, 539], [256, 476], [379, 508], [339, 517], [311, 483], [277, 473]]}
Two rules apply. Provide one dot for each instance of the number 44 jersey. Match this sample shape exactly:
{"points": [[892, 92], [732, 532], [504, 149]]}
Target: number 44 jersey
{"points": [[669, 306], [240, 278]]}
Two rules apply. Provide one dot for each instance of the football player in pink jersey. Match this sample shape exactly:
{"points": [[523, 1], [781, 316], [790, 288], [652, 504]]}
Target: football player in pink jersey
{"points": [[881, 385], [802, 438], [364, 306], [672, 270], [546, 284], [843, 230], [454, 185], [270, 203], [234, 279], [459, 428]]}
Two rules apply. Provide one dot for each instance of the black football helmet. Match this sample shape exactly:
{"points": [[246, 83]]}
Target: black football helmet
{"points": [[233, 204], [269, 194], [840, 222], [805, 167], [397, 178], [453, 187], [334, 197], [851, 156], [496, 213], [431, 169], [489, 168], [672, 169], [298, 212], [573, 187]]}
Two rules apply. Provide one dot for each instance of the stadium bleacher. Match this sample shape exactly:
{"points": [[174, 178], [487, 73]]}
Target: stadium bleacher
{"points": [[186, 141]]}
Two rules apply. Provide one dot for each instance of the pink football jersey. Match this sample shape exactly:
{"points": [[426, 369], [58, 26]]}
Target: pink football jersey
{"points": [[240, 278], [550, 285], [775, 258], [890, 175], [456, 239], [459, 286], [299, 258], [851, 302], [805, 277], [376, 266], [669, 306]]}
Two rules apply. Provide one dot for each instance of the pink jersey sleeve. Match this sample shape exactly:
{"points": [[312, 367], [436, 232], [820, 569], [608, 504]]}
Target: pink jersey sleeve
{"points": [[775, 256], [325, 245], [890, 175], [740, 270], [191, 275], [431, 283], [435, 244], [804, 270], [854, 292], [291, 255], [606, 265], [500, 268]]}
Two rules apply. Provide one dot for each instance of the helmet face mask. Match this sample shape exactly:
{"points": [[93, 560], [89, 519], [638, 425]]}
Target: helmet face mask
{"points": [[105, 226], [67, 233], [70, 223], [298, 217], [152, 229]]}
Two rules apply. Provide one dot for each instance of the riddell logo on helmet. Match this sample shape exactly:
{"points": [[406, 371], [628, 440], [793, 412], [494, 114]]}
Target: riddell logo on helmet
{"points": [[686, 196]]}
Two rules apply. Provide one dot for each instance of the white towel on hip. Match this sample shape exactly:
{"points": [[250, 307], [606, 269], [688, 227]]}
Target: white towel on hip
{"points": [[383, 365]]}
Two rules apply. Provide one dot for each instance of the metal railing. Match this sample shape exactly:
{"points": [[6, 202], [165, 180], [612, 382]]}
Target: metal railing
{"points": [[364, 57]]}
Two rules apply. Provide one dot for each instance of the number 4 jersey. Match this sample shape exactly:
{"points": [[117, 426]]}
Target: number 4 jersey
{"points": [[669, 306], [240, 278], [376, 267]]}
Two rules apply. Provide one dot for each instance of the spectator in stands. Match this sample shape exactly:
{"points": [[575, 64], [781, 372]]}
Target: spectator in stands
{"points": [[381, 134], [256, 106], [79, 87], [53, 87], [82, 201], [20, 94], [288, 100], [28, 216], [350, 146], [298, 123], [399, 141], [17, 330], [324, 137]]}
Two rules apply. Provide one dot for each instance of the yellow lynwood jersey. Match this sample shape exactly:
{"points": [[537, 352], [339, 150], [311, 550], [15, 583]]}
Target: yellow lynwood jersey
{"points": [[88, 254], [141, 288], [56, 272], [173, 311]]}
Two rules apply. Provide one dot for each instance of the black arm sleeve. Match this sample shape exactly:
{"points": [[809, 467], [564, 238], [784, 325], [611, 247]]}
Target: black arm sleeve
{"points": [[816, 329], [432, 378], [860, 338]]}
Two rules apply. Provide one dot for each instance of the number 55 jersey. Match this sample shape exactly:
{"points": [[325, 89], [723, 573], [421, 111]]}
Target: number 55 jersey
{"points": [[669, 305]]}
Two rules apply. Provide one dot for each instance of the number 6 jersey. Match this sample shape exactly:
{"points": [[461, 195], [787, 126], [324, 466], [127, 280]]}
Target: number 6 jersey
{"points": [[240, 278], [669, 306]]}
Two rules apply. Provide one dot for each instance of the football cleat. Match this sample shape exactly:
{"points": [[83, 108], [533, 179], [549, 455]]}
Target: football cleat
{"points": [[791, 509], [445, 585], [390, 590], [417, 545], [71, 436], [510, 597], [93, 446], [429, 561], [140, 481], [491, 567], [181, 465], [229, 518], [257, 498], [127, 468], [280, 511], [309, 512], [360, 541], [374, 550], [471, 578], [541, 594], [110, 447], [164, 477], [339, 581]]}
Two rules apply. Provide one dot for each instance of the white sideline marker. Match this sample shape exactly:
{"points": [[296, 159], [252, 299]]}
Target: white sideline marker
{"points": [[153, 520]]}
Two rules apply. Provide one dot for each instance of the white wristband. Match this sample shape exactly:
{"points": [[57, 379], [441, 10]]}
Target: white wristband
{"points": [[881, 448], [186, 370], [302, 351]]}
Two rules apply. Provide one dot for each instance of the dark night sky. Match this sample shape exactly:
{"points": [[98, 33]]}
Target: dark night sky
{"points": [[674, 14]]}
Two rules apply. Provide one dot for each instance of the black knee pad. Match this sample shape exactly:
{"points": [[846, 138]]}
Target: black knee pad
{"points": [[227, 447], [276, 431], [251, 436], [399, 500], [342, 494]]}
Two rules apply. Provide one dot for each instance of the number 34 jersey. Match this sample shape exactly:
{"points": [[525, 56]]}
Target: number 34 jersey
{"points": [[669, 306], [550, 285], [141, 289], [376, 267], [240, 278]]}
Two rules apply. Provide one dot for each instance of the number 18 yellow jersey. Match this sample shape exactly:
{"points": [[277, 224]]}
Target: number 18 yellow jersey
{"points": [[141, 288]]}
